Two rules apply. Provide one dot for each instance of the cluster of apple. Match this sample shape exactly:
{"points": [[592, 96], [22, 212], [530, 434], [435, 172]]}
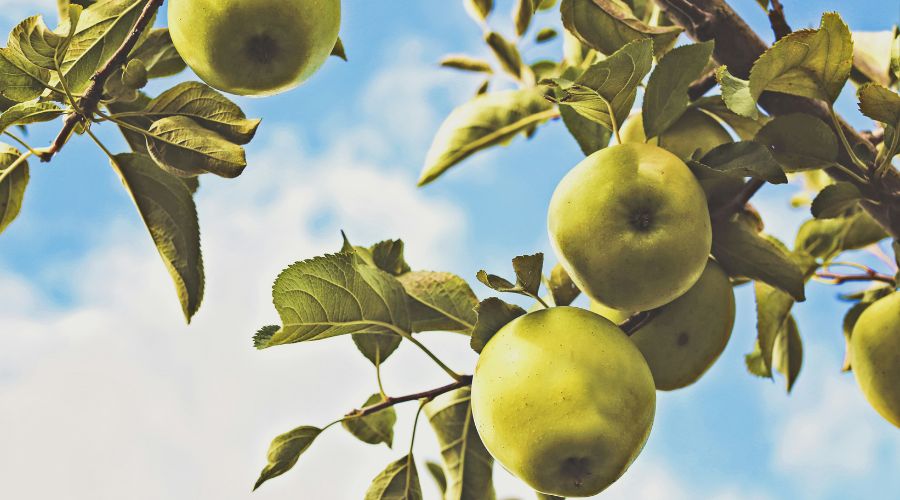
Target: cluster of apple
{"points": [[631, 226], [254, 47]]}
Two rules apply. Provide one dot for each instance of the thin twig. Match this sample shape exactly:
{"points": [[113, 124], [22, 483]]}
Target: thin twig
{"points": [[839, 279], [778, 22], [93, 94], [464, 380]]}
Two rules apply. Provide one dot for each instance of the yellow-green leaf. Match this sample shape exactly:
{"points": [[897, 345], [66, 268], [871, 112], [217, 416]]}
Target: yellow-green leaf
{"points": [[183, 147], [167, 208], [483, 122], [607, 25], [808, 63]]}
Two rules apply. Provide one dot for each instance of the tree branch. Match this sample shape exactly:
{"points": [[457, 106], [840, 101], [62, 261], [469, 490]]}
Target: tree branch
{"points": [[464, 380], [94, 92], [726, 211], [777, 20], [702, 85], [738, 47]]}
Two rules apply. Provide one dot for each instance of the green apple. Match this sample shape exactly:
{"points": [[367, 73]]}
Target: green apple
{"points": [[254, 47], [875, 356], [631, 227], [564, 400], [694, 132], [687, 336], [683, 340]]}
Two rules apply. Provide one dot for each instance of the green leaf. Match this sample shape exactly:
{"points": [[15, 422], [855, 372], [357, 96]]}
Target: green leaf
{"points": [[483, 122], [773, 307], [338, 49], [285, 450], [439, 302], [101, 30], [590, 135], [562, 288], [787, 355], [608, 25], [29, 112], [466, 63], [746, 128], [743, 252], [479, 9], [872, 55], [20, 80], [158, 54], [835, 200], [167, 208], [545, 4], [666, 95], [134, 74], [610, 83], [808, 63], [12, 187], [505, 52], [376, 347], [493, 314], [399, 481], [800, 142], [745, 159], [522, 14], [337, 295], [826, 238], [880, 104], [262, 336], [755, 363], [205, 106], [185, 148], [528, 270], [545, 35], [736, 94], [469, 465], [376, 428], [388, 256], [437, 472], [36, 42]]}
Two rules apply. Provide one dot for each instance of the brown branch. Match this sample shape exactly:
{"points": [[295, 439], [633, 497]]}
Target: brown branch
{"points": [[702, 85], [464, 380], [876, 136], [726, 211], [871, 275], [93, 94], [738, 47], [777, 20]]}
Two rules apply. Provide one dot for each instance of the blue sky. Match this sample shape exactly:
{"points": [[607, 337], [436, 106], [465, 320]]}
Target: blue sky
{"points": [[104, 393]]}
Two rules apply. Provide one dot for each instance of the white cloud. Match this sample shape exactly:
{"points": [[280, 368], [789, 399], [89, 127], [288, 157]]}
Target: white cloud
{"points": [[826, 434]]}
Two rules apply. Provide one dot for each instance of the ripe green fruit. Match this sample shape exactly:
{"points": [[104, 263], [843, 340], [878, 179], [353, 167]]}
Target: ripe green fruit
{"points": [[692, 131], [683, 340], [631, 227], [563, 400], [254, 47], [875, 356]]}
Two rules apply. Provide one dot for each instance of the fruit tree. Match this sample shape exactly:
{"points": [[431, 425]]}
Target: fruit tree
{"points": [[683, 114]]}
